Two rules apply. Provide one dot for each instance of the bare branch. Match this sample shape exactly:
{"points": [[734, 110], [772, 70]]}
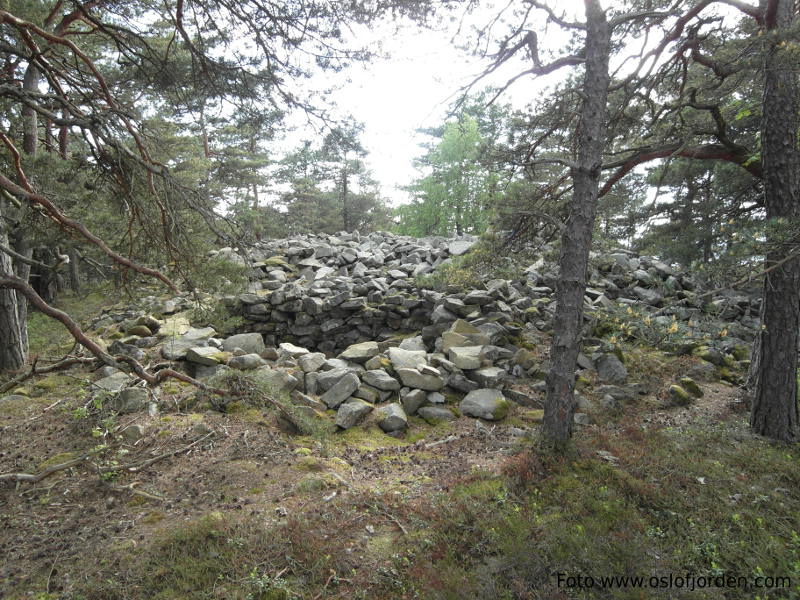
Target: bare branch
{"points": [[30, 261], [704, 152], [54, 213], [560, 21], [36, 370]]}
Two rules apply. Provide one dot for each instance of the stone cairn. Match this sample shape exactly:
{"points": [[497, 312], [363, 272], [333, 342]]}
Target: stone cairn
{"points": [[339, 322]]}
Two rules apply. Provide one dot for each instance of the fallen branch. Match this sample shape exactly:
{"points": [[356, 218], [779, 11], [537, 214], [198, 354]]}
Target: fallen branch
{"points": [[390, 516], [449, 438], [37, 477], [123, 363], [135, 467], [130, 467], [36, 370], [132, 489]]}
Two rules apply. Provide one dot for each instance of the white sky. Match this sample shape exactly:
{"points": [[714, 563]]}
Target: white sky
{"points": [[416, 84], [412, 88]]}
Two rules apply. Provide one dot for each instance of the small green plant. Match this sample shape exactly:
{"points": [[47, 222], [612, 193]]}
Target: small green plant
{"points": [[80, 412], [483, 262], [268, 587]]}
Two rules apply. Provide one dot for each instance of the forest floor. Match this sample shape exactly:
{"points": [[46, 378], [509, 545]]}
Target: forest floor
{"points": [[228, 506]]}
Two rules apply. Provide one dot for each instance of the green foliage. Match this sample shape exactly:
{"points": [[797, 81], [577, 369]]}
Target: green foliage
{"points": [[631, 324], [462, 185], [709, 220]]}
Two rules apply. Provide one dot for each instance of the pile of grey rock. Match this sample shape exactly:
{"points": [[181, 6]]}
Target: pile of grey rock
{"points": [[329, 292], [341, 323]]}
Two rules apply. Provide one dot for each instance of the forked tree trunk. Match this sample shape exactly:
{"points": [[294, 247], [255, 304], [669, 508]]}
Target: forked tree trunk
{"points": [[774, 410], [577, 236]]}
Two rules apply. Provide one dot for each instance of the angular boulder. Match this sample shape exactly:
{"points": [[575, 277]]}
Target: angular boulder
{"points": [[436, 414], [251, 343], [407, 359], [485, 404], [360, 353], [392, 417], [340, 392], [465, 357], [352, 412], [413, 378], [610, 368], [378, 378]]}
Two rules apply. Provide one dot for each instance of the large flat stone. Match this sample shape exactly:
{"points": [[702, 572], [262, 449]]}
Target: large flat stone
{"points": [[422, 381], [204, 355], [407, 359], [341, 391], [352, 412], [360, 353], [459, 247], [485, 404], [466, 357], [378, 378], [488, 377], [251, 343]]}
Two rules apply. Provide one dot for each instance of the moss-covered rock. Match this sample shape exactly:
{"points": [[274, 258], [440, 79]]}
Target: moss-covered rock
{"points": [[275, 262], [708, 354], [741, 352], [525, 358], [727, 374], [679, 396], [690, 386]]}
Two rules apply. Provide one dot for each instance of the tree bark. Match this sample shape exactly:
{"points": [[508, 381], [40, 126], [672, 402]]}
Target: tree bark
{"points": [[30, 137], [347, 217], [12, 349], [75, 270], [577, 236], [23, 271], [63, 137], [774, 411]]}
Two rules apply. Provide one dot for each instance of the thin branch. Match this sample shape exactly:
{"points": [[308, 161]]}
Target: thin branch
{"points": [[36, 478], [138, 466], [36, 370], [39, 200], [30, 261], [704, 152], [123, 363], [561, 21]]}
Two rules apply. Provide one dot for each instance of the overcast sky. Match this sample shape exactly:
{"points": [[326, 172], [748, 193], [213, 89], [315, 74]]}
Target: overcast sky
{"points": [[412, 88]]}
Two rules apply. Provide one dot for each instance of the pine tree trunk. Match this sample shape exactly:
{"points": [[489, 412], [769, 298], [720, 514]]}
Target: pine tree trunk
{"points": [[12, 349], [577, 236], [30, 137], [23, 271], [774, 410], [347, 218], [75, 270]]}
